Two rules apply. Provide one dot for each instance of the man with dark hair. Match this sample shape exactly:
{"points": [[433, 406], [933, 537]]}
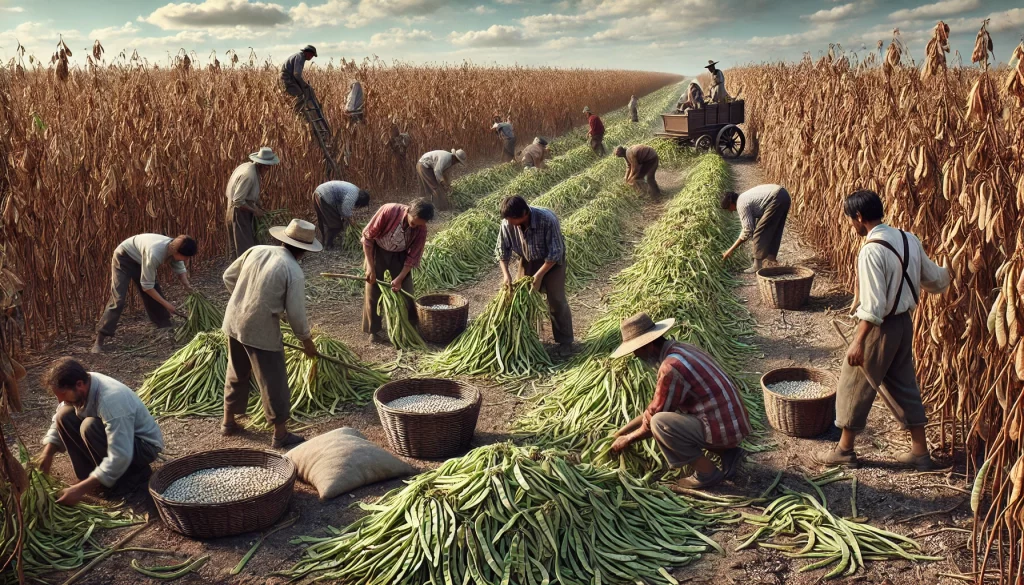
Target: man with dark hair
{"points": [[641, 165], [243, 194], [533, 155], [335, 202], [292, 80], [534, 234], [696, 407], [393, 241], [137, 260], [105, 428], [763, 211], [596, 132], [892, 268], [265, 283]]}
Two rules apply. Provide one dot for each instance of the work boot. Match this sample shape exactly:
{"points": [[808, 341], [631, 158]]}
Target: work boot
{"points": [[836, 456], [287, 441], [99, 346], [699, 481], [918, 462], [753, 267]]}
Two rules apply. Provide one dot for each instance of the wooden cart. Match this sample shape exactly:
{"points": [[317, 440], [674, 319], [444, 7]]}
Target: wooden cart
{"points": [[714, 126]]}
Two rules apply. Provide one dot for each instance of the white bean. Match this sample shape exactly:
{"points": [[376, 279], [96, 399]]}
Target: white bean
{"points": [[219, 485], [800, 389], [427, 403]]}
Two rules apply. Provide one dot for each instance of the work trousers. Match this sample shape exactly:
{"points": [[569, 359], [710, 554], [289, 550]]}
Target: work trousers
{"points": [[328, 220], [597, 145], [645, 172], [768, 232], [267, 368], [123, 272], [85, 440], [241, 231], [633, 115], [299, 93], [393, 262], [679, 436], [431, 187], [553, 287], [889, 360], [508, 148]]}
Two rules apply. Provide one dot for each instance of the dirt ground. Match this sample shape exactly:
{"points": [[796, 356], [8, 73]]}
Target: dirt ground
{"points": [[802, 337]]}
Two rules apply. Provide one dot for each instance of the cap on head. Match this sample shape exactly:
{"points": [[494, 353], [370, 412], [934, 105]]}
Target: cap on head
{"points": [[310, 49]]}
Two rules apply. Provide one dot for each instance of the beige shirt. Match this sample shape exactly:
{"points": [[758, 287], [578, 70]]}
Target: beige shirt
{"points": [[880, 274], [244, 186], [396, 241], [266, 283], [438, 161], [150, 251]]}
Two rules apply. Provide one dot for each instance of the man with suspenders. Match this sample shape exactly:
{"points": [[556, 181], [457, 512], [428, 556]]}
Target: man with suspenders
{"points": [[892, 268]]}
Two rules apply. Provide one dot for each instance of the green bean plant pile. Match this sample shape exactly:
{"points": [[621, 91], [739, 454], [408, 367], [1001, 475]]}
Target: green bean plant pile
{"points": [[55, 537], [502, 342], [202, 316], [191, 381], [393, 307], [515, 515], [271, 218]]}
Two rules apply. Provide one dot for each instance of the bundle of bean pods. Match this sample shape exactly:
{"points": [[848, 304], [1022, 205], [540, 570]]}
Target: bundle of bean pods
{"points": [[55, 537], [502, 342], [191, 381], [507, 514], [268, 220], [202, 316], [393, 307]]}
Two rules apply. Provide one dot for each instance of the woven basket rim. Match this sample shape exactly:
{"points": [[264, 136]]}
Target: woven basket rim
{"points": [[161, 500], [474, 403], [824, 373], [769, 273], [460, 302]]}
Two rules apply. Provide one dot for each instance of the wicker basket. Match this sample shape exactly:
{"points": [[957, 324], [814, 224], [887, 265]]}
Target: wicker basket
{"points": [[428, 435], [227, 519], [442, 325], [785, 293], [799, 417]]}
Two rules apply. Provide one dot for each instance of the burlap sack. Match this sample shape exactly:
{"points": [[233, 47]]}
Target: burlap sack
{"points": [[342, 460]]}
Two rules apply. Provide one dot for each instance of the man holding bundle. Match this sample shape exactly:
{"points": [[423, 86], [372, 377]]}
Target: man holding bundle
{"points": [[335, 202], [763, 211], [596, 132], [243, 193], [534, 234], [137, 260], [696, 407], [533, 155], [641, 165], [507, 137], [393, 241], [433, 169], [266, 282]]}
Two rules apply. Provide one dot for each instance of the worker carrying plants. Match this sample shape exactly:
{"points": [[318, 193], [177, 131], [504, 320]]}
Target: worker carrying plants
{"points": [[533, 155], [291, 77], [243, 194], [106, 430], [696, 407], [763, 210], [692, 98], [892, 269], [433, 169], [641, 165], [717, 89], [266, 282], [335, 202], [393, 241], [138, 260], [534, 234], [634, 104], [507, 137], [596, 132]]}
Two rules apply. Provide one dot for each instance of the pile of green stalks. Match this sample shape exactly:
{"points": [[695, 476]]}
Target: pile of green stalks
{"points": [[353, 239], [269, 219], [393, 307], [202, 316], [505, 514], [802, 527], [191, 381], [321, 387], [55, 537], [502, 342]]}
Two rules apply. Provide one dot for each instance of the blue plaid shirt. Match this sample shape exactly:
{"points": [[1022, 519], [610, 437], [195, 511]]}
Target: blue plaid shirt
{"points": [[540, 240]]}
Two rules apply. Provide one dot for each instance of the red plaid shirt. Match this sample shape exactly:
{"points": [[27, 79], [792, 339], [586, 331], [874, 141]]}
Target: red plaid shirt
{"points": [[690, 382]]}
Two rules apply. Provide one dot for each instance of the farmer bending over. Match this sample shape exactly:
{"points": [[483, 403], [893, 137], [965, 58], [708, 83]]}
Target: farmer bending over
{"points": [[105, 428], [641, 166], [763, 212], [335, 202], [507, 136], [696, 406], [433, 169], [533, 155]]}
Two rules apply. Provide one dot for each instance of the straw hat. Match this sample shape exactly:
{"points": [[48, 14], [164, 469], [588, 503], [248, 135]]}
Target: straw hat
{"points": [[310, 49], [710, 64], [638, 331], [265, 156], [586, 109], [460, 154], [299, 233]]}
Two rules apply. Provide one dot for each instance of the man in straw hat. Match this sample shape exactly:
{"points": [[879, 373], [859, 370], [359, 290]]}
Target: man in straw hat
{"points": [[266, 282], [763, 210], [696, 407], [717, 89], [291, 76], [433, 169], [641, 166], [243, 194], [393, 241], [596, 132]]}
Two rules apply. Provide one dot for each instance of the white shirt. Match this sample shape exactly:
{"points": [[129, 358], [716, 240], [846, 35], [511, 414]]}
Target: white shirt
{"points": [[340, 195], [750, 206], [880, 274], [150, 251], [438, 160], [244, 186], [266, 282]]}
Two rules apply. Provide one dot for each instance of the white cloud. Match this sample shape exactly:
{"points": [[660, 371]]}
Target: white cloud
{"points": [[841, 12], [548, 23], [361, 13], [507, 2], [1005, 21], [483, 10], [217, 13], [936, 10], [497, 35], [817, 34], [40, 38], [563, 43], [397, 36], [11, 9]]}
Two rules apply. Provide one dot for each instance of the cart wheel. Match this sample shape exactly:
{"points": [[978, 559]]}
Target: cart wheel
{"points": [[703, 143], [731, 141]]}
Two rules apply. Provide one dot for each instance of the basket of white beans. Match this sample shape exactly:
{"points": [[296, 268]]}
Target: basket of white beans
{"points": [[800, 402], [223, 492], [440, 318], [428, 418]]}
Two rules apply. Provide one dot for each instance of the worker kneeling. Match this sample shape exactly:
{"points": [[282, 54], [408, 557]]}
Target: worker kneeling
{"points": [[696, 407]]}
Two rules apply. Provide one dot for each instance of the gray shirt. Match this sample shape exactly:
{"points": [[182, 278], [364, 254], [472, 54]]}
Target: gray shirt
{"points": [[124, 417], [540, 240], [266, 282], [504, 130], [150, 251], [291, 70], [439, 161], [340, 195], [751, 205]]}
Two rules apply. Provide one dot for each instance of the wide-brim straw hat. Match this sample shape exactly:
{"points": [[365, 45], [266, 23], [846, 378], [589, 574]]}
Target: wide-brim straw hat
{"points": [[638, 331], [586, 110], [265, 156], [460, 154], [710, 64], [310, 49], [299, 233]]}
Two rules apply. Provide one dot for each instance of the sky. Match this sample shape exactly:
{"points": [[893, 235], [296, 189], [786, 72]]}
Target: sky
{"points": [[677, 36]]}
